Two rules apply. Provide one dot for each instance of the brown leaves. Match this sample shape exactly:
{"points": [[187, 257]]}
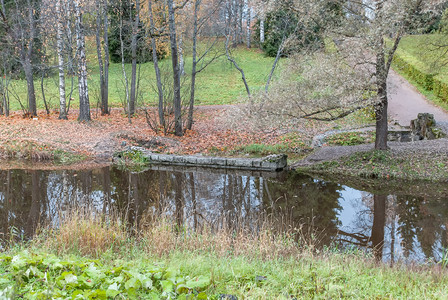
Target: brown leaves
{"points": [[112, 130]]}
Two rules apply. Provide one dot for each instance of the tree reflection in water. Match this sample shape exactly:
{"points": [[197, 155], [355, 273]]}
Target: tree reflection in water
{"points": [[403, 226]]}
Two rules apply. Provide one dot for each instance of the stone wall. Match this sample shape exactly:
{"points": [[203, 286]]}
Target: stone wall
{"points": [[275, 162]]}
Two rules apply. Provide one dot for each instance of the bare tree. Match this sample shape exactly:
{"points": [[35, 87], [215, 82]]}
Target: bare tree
{"points": [[235, 64], [20, 22], [176, 71], [103, 63], [134, 41], [152, 32], [126, 82], [198, 23]]}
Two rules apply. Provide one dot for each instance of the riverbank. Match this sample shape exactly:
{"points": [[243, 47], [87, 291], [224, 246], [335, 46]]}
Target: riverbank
{"points": [[419, 160], [96, 256], [46, 138], [49, 143]]}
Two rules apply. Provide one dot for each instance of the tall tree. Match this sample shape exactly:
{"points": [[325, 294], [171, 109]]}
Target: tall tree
{"points": [[134, 36], [84, 105], [176, 71], [20, 24], [61, 69], [103, 63], [152, 32]]}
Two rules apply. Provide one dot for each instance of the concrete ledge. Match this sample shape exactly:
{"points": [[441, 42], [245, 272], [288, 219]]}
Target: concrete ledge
{"points": [[276, 162]]}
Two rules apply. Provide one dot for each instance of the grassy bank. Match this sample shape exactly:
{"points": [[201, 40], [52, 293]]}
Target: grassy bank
{"points": [[386, 165], [37, 152], [96, 257], [219, 83]]}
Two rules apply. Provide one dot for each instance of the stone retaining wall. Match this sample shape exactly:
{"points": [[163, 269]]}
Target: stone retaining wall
{"points": [[268, 163]]}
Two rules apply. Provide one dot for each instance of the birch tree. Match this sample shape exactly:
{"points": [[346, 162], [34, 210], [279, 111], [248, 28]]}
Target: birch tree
{"points": [[84, 105], [61, 67]]}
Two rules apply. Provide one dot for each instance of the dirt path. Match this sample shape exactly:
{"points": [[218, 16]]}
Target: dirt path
{"points": [[405, 103]]}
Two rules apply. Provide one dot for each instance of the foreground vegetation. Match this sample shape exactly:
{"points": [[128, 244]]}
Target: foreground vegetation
{"points": [[97, 257]]}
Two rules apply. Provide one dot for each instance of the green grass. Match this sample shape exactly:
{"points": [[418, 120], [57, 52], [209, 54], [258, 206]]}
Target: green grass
{"points": [[38, 275], [219, 83], [386, 165], [350, 138], [429, 65]]}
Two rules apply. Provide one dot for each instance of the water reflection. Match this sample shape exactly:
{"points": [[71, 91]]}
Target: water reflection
{"points": [[392, 227]]}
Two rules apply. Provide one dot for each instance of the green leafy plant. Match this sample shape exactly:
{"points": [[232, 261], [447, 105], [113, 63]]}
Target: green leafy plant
{"points": [[350, 138], [45, 276]]}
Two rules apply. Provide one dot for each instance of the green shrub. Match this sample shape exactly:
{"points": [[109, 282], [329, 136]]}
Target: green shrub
{"points": [[423, 78]]}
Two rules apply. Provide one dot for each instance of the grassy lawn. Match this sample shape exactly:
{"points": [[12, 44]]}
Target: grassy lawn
{"points": [[425, 65], [219, 83]]}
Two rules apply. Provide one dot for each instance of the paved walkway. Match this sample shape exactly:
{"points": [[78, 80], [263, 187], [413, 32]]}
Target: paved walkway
{"points": [[405, 103]]}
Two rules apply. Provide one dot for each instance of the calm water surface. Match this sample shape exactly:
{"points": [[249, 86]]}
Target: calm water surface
{"points": [[401, 221]]}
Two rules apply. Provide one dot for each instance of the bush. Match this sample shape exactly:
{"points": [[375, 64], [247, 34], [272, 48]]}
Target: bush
{"points": [[423, 78]]}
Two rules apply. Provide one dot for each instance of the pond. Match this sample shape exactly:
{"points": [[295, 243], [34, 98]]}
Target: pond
{"points": [[393, 220]]}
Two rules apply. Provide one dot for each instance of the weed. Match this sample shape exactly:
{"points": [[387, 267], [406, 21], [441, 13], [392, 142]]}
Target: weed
{"points": [[351, 138], [134, 160]]}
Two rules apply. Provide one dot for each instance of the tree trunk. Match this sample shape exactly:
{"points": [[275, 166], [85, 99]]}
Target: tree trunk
{"points": [[248, 31], [197, 4], [105, 95], [132, 99], [43, 92], [84, 105], [28, 69], [240, 21], [261, 31], [71, 57], [98, 52], [234, 23], [60, 50], [181, 57], [26, 57], [155, 60], [123, 68], [381, 118], [176, 78], [381, 106]]}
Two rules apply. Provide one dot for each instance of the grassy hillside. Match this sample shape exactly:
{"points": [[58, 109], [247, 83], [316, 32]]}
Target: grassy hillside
{"points": [[423, 60], [220, 83]]}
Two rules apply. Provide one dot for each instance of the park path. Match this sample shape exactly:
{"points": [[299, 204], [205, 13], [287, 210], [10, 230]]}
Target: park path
{"points": [[405, 103]]}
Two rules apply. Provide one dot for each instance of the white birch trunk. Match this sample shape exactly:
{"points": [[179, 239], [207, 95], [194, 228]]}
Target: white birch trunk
{"points": [[261, 31], [84, 105], [60, 50], [248, 20], [181, 57]]}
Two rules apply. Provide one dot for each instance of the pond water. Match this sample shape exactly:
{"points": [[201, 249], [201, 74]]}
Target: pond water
{"points": [[400, 221]]}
